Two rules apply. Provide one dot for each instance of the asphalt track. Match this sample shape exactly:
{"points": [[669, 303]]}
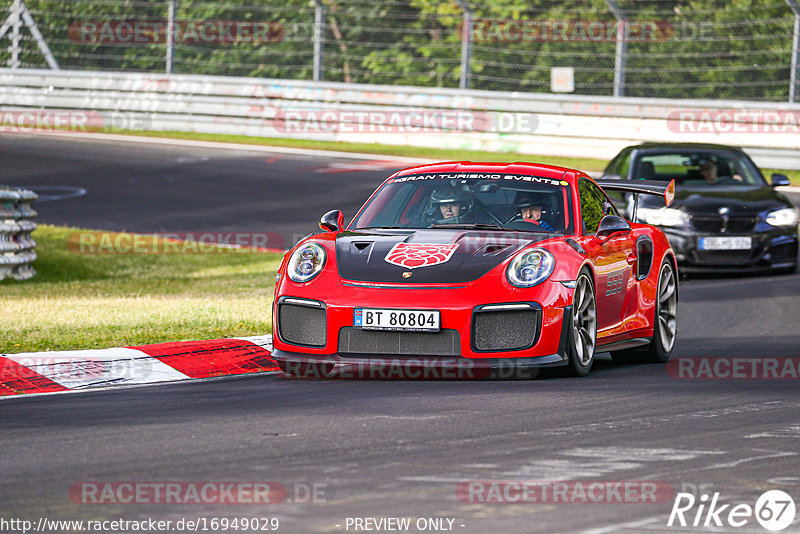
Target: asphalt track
{"points": [[390, 448], [157, 188]]}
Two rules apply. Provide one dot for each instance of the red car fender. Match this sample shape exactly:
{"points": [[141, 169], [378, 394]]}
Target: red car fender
{"points": [[642, 309]]}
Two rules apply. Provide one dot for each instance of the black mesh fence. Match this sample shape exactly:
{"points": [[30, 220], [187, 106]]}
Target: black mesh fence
{"points": [[644, 48]]}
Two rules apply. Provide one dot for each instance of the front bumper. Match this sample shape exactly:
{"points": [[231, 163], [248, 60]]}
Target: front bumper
{"points": [[772, 249], [382, 366], [336, 341]]}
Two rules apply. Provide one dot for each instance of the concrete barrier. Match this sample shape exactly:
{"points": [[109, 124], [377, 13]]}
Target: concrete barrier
{"points": [[561, 125]]}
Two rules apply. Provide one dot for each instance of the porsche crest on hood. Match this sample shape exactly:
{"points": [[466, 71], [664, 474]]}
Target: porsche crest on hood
{"points": [[432, 256]]}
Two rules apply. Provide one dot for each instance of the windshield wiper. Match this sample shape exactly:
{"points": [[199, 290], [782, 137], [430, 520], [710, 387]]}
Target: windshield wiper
{"points": [[469, 226]]}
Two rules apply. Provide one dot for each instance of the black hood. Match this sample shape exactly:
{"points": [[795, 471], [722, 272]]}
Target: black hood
{"points": [[361, 256], [740, 200]]}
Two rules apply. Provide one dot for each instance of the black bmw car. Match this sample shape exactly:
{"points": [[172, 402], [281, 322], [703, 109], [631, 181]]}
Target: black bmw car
{"points": [[725, 217]]}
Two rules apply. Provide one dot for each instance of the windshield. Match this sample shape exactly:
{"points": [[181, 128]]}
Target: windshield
{"points": [[494, 201], [698, 168]]}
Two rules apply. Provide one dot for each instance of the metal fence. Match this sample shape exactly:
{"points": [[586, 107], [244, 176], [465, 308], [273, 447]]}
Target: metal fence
{"points": [[703, 49], [16, 225]]}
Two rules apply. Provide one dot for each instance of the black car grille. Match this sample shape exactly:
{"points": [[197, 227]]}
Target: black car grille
{"points": [[505, 330], [785, 252], [356, 341], [714, 224], [301, 325], [725, 257]]}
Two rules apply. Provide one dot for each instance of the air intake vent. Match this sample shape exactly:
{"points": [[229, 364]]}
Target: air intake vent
{"points": [[355, 341], [725, 257], [644, 255], [719, 224], [362, 246], [492, 248], [301, 322], [497, 328]]}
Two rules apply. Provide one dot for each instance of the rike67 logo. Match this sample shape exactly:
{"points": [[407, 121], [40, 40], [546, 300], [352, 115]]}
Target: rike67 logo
{"points": [[413, 255], [774, 510]]}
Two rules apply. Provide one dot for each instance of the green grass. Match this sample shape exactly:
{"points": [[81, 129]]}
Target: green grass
{"points": [[433, 154], [89, 300]]}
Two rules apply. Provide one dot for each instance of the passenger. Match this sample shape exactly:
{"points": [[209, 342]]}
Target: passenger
{"points": [[530, 211]]}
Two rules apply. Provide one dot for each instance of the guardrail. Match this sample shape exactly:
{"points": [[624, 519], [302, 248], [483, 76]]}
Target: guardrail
{"points": [[571, 125], [16, 225]]}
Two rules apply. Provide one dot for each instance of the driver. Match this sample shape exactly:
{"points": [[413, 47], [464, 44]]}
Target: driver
{"points": [[448, 206], [530, 211], [708, 171]]}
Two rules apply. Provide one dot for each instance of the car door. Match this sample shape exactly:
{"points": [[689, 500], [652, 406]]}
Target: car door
{"points": [[614, 257]]}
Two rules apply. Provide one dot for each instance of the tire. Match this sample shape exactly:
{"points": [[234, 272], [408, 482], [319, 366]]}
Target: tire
{"points": [[582, 338], [665, 322]]}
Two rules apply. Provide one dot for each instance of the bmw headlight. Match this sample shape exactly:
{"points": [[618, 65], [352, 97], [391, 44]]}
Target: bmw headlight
{"points": [[661, 216], [782, 217], [530, 267], [306, 262]]}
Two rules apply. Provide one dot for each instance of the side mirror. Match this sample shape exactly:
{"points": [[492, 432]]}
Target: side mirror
{"points": [[333, 221], [779, 180], [612, 224]]}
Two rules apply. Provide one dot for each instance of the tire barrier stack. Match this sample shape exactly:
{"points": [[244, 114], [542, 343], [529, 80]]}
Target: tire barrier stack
{"points": [[16, 225]]}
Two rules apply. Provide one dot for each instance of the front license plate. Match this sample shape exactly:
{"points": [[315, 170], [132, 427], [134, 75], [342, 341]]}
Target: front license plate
{"points": [[405, 320], [725, 243]]}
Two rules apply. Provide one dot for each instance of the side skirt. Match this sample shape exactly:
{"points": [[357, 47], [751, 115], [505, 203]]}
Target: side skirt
{"points": [[624, 344]]}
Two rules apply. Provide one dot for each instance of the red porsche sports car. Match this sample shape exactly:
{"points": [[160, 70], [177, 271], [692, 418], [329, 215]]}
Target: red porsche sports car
{"points": [[479, 266]]}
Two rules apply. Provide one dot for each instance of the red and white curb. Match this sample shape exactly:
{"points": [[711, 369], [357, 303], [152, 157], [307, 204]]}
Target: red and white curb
{"points": [[61, 371]]}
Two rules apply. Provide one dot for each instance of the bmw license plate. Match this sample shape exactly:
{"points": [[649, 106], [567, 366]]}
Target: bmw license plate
{"points": [[404, 320], [725, 243]]}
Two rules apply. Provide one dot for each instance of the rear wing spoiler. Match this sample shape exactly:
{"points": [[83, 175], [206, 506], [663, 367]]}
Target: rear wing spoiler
{"points": [[648, 187]]}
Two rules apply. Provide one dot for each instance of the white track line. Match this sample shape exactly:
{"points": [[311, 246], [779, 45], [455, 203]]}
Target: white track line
{"points": [[229, 146]]}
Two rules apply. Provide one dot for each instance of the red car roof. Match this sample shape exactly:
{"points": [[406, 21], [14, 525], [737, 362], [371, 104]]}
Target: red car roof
{"points": [[519, 167]]}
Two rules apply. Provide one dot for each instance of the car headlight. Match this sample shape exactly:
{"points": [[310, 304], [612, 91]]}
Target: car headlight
{"points": [[782, 217], [530, 267], [306, 262], [662, 216]]}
